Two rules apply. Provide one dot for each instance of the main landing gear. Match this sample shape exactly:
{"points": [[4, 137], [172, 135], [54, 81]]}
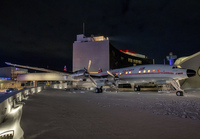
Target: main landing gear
{"points": [[99, 90]]}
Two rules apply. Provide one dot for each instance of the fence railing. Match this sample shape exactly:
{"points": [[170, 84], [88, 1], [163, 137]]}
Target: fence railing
{"points": [[10, 101]]}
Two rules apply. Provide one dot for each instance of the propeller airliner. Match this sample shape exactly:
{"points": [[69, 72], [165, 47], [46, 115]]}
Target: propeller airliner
{"points": [[152, 73]]}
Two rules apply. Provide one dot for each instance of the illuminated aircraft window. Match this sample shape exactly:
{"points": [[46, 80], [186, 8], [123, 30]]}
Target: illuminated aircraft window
{"points": [[116, 73], [129, 72], [120, 73], [153, 70], [126, 72], [158, 70], [144, 71], [139, 71], [148, 70]]}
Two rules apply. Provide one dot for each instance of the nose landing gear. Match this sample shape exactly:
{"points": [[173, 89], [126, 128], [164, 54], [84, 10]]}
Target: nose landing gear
{"points": [[179, 93]]}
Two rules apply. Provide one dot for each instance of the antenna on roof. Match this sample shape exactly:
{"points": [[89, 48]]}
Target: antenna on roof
{"points": [[83, 28]]}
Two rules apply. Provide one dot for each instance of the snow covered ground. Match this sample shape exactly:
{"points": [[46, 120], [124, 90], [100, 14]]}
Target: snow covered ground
{"points": [[64, 114]]}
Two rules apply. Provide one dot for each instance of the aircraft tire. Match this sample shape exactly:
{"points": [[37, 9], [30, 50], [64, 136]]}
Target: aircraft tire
{"points": [[100, 90], [97, 90], [136, 89], [179, 93]]}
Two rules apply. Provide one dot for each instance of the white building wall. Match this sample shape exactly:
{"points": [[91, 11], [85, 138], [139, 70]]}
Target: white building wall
{"points": [[96, 51]]}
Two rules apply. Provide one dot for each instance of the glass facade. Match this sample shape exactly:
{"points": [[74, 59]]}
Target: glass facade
{"points": [[119, 59]]}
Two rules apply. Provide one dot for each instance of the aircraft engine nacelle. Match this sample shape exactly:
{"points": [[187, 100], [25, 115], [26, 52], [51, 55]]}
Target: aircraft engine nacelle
{"points": [[80, 73]]}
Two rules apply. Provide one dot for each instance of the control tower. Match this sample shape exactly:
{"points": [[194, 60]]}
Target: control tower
{"points": [[171, 58]]}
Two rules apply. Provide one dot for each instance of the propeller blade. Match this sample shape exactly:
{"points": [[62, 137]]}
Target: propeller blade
{"points": [[110, 74], [93, 81], [89, 64]]}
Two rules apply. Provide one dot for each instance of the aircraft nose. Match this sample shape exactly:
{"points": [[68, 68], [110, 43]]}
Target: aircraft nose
{"points": [[191, 73]]}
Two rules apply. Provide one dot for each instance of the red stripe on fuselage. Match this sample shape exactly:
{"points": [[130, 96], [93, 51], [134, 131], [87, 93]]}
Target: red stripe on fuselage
{"points": [[149, 73]]}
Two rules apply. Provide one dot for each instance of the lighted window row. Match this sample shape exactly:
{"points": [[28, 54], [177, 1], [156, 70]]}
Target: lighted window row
{"points": [[135, 61], [144, 71]]}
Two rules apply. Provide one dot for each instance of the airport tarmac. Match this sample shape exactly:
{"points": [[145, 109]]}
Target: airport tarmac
{"points": [[60, 114]]}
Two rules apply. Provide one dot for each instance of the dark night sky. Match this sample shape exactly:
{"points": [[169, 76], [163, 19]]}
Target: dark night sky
{"points": [[41, 32]]}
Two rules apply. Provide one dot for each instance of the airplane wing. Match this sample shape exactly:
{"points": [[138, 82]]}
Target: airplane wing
{"points": [[36, 68]]}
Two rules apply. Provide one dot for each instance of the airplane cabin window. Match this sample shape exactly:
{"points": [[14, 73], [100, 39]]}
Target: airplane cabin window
{"points": [[153, 70], [144, 71], [148, 70], [139, 71], [129, 72]]}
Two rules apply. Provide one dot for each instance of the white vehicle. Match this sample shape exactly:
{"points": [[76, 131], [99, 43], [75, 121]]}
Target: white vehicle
{"points": [[152, 73]]}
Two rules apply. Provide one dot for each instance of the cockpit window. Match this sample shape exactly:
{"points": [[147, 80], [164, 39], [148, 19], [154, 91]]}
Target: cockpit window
{"points": [[176, 67]]}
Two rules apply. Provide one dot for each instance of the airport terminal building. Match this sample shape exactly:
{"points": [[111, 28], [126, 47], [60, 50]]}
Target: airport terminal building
{"points": [[103, 55], [8, 77]]}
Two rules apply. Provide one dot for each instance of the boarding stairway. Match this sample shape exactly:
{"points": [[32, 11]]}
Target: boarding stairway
{"points": [[172, 86]]}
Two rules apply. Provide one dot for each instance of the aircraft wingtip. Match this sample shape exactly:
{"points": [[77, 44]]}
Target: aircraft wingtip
{"points": [[8, 63]]}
